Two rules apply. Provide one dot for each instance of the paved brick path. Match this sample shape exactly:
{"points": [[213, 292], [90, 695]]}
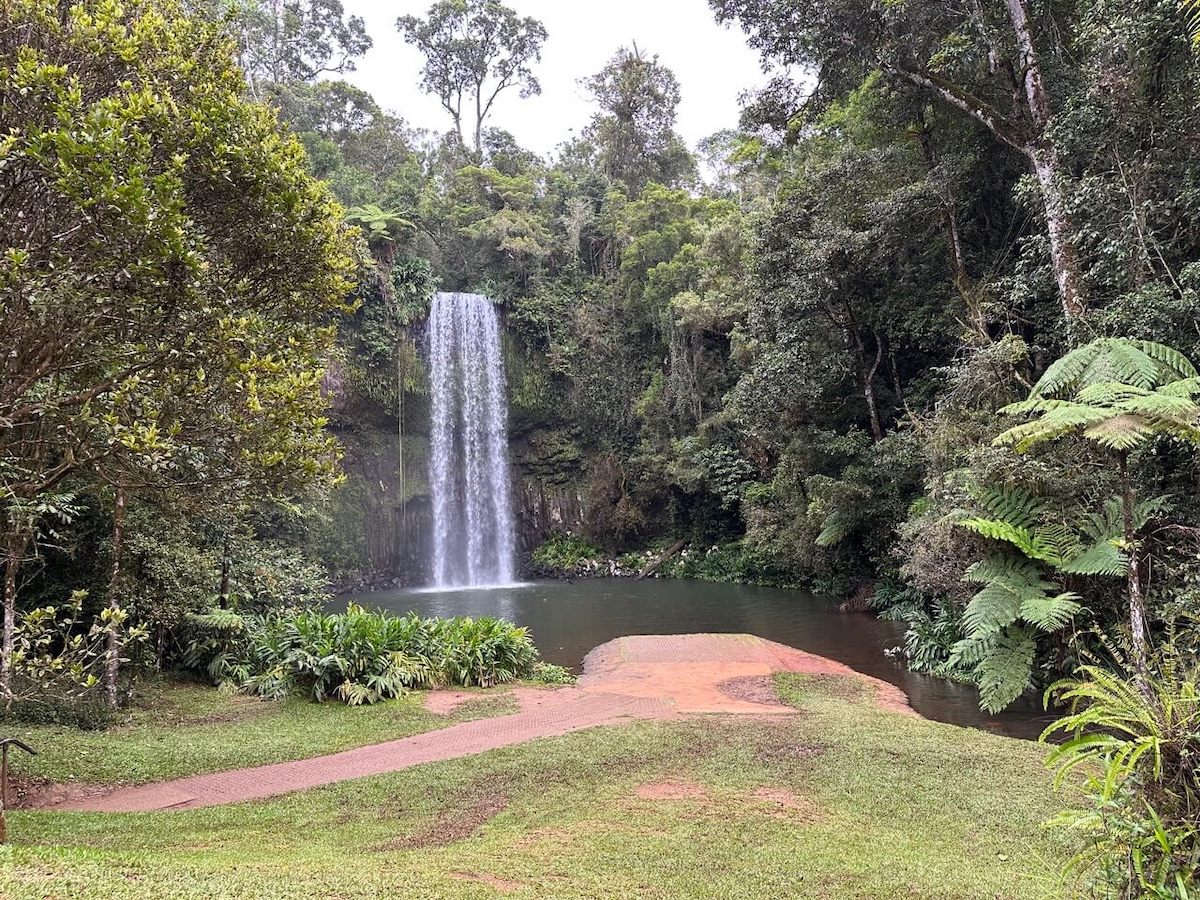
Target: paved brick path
{"points": [[644, 677]]}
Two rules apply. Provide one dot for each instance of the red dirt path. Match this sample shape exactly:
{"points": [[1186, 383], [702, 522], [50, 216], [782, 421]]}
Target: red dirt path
{"points": [[643, 677]]}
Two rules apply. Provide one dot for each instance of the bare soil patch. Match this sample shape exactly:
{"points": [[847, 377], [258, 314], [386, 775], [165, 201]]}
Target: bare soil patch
{"points": [[785, 804], [445, 703], [452, 826], [504, 885], [754, 688], [32, 792], [672, 790]]}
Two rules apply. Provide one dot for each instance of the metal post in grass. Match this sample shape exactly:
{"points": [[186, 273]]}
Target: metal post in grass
{"points": [[5, 743]]}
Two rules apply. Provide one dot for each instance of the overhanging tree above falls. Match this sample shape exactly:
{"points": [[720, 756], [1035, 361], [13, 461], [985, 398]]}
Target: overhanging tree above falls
{"points": [[984, 62]]}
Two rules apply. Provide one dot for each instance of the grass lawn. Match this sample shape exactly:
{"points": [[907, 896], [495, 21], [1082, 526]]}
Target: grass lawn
{"points": [[844, 801], [180, 728]]}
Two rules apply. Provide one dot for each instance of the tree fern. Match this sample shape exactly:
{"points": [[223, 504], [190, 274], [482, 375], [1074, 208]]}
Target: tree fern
{"points": [[1117, 393], [1136, 362]]}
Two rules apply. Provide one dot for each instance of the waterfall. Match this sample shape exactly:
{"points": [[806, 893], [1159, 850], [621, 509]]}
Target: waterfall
{"points": [[468, 466]]}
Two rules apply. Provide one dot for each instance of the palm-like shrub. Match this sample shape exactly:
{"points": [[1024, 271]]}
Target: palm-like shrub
{"points": [[1138, 741], [361, 656]]}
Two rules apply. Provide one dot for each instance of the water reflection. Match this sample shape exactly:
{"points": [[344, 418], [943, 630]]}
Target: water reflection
{"points": [[568, 620]]}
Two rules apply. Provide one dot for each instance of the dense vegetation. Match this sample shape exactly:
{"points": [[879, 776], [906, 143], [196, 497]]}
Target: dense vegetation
{"points": [[922, 328], [358, 656]]}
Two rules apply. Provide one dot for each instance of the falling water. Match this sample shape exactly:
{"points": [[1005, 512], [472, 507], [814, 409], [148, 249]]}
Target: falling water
{"points": [[468, 469]]}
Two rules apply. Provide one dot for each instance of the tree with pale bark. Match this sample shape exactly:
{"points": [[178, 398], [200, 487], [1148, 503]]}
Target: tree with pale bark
{"points": [[474, 51]]}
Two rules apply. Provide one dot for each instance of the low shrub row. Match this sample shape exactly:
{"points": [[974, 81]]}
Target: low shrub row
{"points": [[359, 656]]}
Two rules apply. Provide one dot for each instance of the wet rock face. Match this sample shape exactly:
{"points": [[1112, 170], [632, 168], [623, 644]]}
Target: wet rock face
{"points": [[391, 529], [545, 507]]}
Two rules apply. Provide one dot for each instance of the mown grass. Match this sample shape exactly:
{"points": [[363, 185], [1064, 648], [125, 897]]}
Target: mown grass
{"points": [[881, 806], [180, 728]]}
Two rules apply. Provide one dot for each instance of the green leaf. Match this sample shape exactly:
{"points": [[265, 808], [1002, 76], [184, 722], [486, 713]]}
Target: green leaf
{"points": [[1006, 672]]}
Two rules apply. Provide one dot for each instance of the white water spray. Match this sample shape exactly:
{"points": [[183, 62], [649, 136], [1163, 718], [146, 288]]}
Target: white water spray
{"points": [[473, 538]]}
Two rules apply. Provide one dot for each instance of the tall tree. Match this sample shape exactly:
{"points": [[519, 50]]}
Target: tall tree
{"points": [[296, 40], [169, 267], [635, 129], [474, 50], [984, 59]]}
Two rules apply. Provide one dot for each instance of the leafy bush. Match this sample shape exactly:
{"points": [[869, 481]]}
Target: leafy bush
{"points": [[548, 673], [359, 656], [1138, 741], [89, 711], [735, 563], [564, 553], [934, 628], [213, 643]]}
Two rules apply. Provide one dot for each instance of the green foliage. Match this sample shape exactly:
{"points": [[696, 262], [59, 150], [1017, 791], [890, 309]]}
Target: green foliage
{"points": [[1117, 392], [565, 553], [733, 563], [1017, 601], [474, 50], [934, 629], [58, 661], [359, 656], [1135, 743], [1191, 12], [548, 673]]}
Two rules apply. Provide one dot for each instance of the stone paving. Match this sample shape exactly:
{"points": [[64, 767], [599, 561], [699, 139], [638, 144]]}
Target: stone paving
{"points": [[630, 678]]}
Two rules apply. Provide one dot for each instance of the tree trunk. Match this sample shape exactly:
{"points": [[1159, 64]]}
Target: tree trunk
{"points": [[1137, 601], [479, 114], [866, 376], [16, 544], [1033, 143], [662, 558], [1064, 256], [963, 282], [112, 666], [226, 565]]}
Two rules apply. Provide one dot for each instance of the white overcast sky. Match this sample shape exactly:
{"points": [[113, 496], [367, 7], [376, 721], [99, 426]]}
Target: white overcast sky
{"points": [[712, 62]]}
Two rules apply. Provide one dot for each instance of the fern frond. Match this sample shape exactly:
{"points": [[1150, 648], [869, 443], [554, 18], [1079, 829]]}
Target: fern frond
{"points": [[1053, 543], [835, 529], [993, 608], [1156, 404], [1184, 387], [997, 568], [1006, 671], [1121, 432], [1178, 365], [1123, 361], [1108, 393], [1103, 557], [1065, 371], [1031, 405], [1050, 613], [1011, 504], [971, 651], [1065, 417], [999, 530], [1191, 16], [1008, 584]]}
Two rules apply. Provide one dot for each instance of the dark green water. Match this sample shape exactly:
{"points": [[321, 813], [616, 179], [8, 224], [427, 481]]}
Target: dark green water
{"points": [[568, 619]]}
